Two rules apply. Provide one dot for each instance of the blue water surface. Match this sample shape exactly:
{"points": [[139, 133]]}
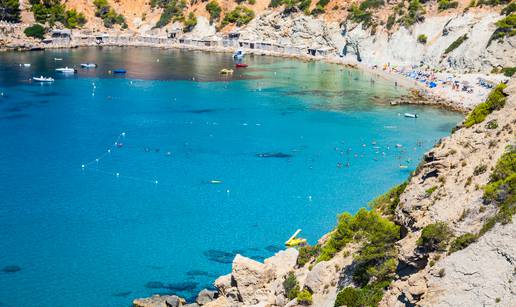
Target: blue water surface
{"points": [[208, 166]]}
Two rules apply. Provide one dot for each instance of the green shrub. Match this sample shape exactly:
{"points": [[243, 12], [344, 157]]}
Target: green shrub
{"points": [[50, 11], [505, 27], [190, 22], [390, 21], [359, 297], [495, 101], [73, 19], [447, 4], [509, 9], [307, 253], [214, 10], [389, 201], [358, 15], [462, 242], [431, 190], [291, 286], [108, 14], [422, 38], [493, 2], [415, 13], [492, 124], [508, 71], [36, 31], [304, 297], [240, 16], [434, 237], [480, 169], [456, 43], [10, 10]]}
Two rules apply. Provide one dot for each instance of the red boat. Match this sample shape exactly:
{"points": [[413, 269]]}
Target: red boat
{"points": [[240, 65]]}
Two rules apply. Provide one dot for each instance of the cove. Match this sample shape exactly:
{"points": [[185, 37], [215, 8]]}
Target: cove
{"points": [[208, 166]]}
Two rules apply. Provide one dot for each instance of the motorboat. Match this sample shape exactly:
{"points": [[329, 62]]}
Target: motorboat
{"points": [[239, 54], [43, 79], [119, 71], [58, 59], [241, 65], [225, 71], [25, 65], [66, 70], [88, 65], [410, 115]]}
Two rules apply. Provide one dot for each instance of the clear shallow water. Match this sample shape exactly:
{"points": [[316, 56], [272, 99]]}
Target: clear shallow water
{"points": [[85, 237]]}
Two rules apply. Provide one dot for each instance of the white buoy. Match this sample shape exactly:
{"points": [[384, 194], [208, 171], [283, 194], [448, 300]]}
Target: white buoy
{"points": [[227, 191], [118, 174], [123, 133], [109, 150], [83, 166], [155, 181], [97, 160], [309, 197]]}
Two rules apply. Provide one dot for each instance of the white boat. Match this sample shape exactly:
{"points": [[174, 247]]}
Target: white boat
{"points": [[58, 59], [239, 54], [66, 70], [410, 115], [43, 79], [88, 65], [25, 65]]}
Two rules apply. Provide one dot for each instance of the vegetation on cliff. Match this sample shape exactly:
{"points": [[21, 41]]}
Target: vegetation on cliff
{"points": [[172, 11], [240, 15], [505, 27], [214, 10], [108, 14], [52, 11], [456, 43], [36, 31], [10, 10], [495, 101]]}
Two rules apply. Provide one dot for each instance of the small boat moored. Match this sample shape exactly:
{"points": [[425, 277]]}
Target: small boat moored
{"points": [[241, 65], [119, 71], [89, 65], [226, 71], [239, 54], [66, 70], [43, 79], [410, 115], [58, 59]]}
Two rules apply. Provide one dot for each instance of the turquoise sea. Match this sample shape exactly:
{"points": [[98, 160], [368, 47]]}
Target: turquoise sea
{"points": [[208, 166]]}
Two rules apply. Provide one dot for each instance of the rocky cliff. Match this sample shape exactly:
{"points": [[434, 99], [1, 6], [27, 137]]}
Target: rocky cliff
{"points": [[456, 244]]}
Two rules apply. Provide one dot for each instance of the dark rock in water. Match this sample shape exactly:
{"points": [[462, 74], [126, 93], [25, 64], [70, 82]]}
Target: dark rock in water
{"points": [[198, 273], [279, 155], [254, 249], [273, 248], [219, 256], [155, 285], [182, 286], [11, 269], [122, 294], [201, 111]]}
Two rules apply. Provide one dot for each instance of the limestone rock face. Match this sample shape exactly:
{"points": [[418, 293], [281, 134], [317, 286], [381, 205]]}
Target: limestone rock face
{"points": [[205, 296], [159, 301], [320, 276], [250, 277], [282, 262], [478, 275]]}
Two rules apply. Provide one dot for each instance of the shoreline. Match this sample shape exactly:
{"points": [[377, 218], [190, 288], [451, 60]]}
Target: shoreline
{"points": [[444, 97]]}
